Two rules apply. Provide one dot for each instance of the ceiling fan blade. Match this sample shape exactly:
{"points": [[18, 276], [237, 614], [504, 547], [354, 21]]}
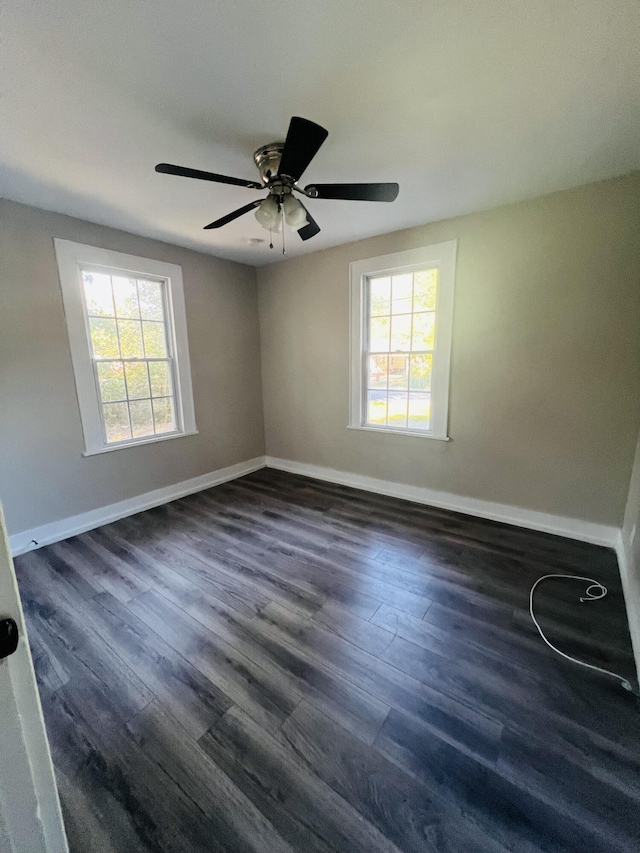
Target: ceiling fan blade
{"points": [[354, 192], [185, 172], [234, 215], [303, 142], [310, 229]]}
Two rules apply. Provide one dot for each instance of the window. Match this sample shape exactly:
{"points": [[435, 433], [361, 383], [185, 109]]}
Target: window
{"points": [[401, 319], [128, 336]]}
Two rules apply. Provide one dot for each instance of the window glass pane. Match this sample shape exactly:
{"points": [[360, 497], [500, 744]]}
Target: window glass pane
{"points": [[104, 338], [425, 290], [401, 293], [420, 378], [159, 375], [399, 371], [151, 305], [377, 407], [379, 334], [419, 410], [111, 380], [401, 333], [137, 379], [163, 414], [141, 418], [380, 296], [130, 338], [116, 422], [125, 294], [155, 345], [397, 409], [378, 367], [97, 294], [423, 331]]}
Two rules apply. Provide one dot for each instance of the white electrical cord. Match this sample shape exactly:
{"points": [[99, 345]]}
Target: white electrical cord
{"points": [[589, 595]]}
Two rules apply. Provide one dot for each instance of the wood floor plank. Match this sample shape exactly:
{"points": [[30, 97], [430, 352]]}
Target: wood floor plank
{"points": [[112, 574], [266, 698], [428, 524], [242, 596], [504, 690], [50, 673], [329, 585], [448, 632], [286, 664], [532, 764], [454, 719], [403, 810], [131, 794], [80, 651], [270, 522], [157, 573], [272, 504], [236, 823], [94, 820], [411, 592], [307, 498], [298, 595], [54, 578], [508, 812], [305, 810], [352, 707], [184, 690], [368, 635]]}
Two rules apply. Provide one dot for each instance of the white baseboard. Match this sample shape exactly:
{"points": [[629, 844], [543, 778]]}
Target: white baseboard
{"points": [[573, 528], [631, 590], [58, 530]]}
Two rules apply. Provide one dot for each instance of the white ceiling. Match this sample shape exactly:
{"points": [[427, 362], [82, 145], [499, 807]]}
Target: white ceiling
{"points": [[466, 103]]}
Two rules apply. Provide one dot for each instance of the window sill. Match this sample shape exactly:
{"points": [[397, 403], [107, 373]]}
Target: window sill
{"points": [[414, 433], [153, 440]]}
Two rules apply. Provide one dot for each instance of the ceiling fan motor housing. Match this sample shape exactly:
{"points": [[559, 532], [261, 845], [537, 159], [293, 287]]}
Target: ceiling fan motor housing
{"points": [[267, 159]]}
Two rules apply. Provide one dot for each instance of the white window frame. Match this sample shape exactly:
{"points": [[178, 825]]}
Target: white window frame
{"points": [[442, 256], [72, 258]]}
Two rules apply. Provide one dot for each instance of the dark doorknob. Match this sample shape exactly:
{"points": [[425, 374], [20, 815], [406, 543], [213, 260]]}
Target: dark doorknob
{"points": [[8, 637]]}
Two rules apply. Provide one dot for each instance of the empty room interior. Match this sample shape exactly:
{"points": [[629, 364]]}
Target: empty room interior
{"points": [[319, 426]]}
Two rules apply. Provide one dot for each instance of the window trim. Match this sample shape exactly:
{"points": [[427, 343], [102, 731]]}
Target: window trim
{"points": [[443, 256], [71, 258]]}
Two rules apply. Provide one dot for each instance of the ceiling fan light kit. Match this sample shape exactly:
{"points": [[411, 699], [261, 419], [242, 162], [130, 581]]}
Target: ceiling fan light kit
{"points": [[281, 165]]}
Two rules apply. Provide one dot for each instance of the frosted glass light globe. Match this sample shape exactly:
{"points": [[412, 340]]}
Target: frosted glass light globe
{"points": [[268, 213]]}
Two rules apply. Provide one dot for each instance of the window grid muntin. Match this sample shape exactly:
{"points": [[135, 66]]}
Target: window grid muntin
{"points": [[169, 358], [367, 353]]}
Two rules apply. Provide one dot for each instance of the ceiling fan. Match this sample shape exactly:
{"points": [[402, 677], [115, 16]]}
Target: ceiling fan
{"points": [[281, 165]]}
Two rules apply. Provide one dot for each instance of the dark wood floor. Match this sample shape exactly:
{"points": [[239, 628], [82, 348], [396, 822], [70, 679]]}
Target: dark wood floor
{"points": [[279, 664]]}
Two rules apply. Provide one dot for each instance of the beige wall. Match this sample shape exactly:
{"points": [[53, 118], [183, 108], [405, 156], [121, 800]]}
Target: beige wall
{"points": [[545, 379], [43, 476], [545, 382]]}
